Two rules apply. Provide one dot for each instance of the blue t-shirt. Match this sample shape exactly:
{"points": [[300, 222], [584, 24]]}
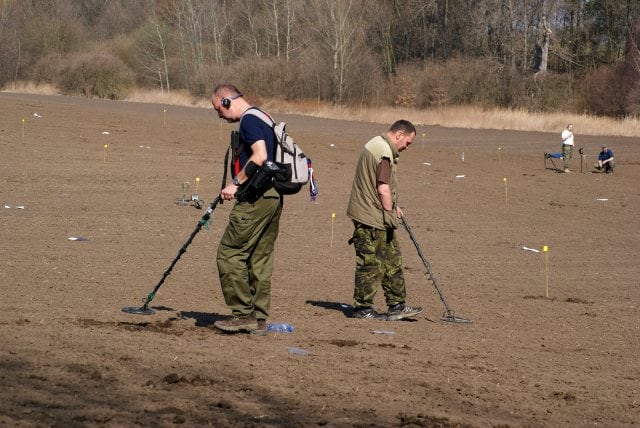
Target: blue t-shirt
{"points": [[252, 129], [605, 154]]}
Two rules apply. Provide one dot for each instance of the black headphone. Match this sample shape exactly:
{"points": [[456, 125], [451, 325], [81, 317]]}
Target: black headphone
{"points": [[226, 102]]}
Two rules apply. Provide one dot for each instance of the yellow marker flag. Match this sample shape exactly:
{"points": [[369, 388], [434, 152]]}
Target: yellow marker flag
{"points": [[333, 217], [545, 250], [505, 191]]}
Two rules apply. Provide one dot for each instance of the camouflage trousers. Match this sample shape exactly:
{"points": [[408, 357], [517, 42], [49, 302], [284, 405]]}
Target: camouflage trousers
{"points": [[378, 263], [567, 151]]}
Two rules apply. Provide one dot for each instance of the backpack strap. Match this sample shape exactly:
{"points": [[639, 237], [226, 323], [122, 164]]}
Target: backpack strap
{"points": [[226, 165], [266, 118]]}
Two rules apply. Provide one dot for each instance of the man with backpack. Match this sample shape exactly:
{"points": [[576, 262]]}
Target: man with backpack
{"points": [[245, 253], [373, 207]]}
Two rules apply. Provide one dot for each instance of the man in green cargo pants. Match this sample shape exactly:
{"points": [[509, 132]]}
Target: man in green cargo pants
{"points": [[373, 207], [245, 253]]}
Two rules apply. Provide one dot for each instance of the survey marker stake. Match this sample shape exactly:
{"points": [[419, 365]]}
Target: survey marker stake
{"points": [[448, 316], [144, 309]]}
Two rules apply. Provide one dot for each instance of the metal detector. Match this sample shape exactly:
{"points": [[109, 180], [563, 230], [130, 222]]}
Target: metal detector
{"points": [[448, 316], [583, 159], [144, 309]]}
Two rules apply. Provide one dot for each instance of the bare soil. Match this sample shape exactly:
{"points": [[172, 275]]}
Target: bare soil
{"points": [[555, 336]]}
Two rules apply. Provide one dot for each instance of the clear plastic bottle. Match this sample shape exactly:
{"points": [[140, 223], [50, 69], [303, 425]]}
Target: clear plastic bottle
{"points": [[298, 351], [279, 327]]}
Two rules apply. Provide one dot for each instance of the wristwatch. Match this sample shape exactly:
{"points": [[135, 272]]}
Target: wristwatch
{"points": [[235, 181]]}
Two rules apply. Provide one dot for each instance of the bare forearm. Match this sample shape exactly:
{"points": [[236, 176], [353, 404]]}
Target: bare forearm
{"points": [[384, 194]]}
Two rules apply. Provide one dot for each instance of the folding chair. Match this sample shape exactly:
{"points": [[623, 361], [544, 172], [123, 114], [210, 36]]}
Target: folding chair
{"points": [[551, 157]]}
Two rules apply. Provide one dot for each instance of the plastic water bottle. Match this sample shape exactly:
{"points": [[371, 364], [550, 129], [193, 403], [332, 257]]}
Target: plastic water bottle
{"points": [[462, 156], [280, 327], [298, 351]]}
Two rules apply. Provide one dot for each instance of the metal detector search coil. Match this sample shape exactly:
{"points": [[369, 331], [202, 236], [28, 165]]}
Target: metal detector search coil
{"points": [[144, 309], [448, 316]]}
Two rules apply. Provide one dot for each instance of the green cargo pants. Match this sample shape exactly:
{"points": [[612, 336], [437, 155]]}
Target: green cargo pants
{"points": [[378, 263], [245, 255], [567, 152]]}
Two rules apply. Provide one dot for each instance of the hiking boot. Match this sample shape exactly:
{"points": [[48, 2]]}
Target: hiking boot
{"points": [[368, 314], [237, 324], [400, 311], [262, 328]]}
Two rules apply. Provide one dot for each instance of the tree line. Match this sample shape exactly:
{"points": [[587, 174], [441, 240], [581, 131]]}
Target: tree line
{"points": [[539, 55]]}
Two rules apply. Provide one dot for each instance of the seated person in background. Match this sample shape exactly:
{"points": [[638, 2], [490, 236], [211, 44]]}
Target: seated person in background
{"points": [[605, 160]]}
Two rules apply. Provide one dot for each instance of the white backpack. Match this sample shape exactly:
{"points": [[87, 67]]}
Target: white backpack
{"points": [[288, 156]]}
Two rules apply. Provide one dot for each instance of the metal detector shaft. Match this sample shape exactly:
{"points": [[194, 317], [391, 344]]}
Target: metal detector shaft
{"points": [[449, 315], [205, 218], [183, 249]]}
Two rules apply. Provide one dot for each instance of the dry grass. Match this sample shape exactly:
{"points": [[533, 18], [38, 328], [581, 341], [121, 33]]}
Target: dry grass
{"points": [[31, 88], [180, 98], [453, 116], [470, 117]]}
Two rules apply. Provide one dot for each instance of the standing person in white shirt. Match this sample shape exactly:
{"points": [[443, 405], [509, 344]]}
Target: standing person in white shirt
{"points": [[567, 146]]}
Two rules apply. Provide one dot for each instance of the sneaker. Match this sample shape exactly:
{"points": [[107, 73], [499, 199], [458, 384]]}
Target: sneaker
{"points": [[368, 314], [567, 170], [236, 324], [262, 328], [400, 311]]}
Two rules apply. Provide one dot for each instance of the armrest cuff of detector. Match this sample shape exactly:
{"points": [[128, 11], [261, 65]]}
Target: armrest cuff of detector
{"points": [[250, 169]]}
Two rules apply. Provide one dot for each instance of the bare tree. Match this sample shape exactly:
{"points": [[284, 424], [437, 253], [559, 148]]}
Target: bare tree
{"points": [[186, 17], [632, 53], [545, 35], [252, 19], [151, 52], [290, 17], [339, 26], [217, 19], [276, 31]]}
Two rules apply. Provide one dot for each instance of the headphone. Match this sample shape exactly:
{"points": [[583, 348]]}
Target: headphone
{"points": [[226, 102]]}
